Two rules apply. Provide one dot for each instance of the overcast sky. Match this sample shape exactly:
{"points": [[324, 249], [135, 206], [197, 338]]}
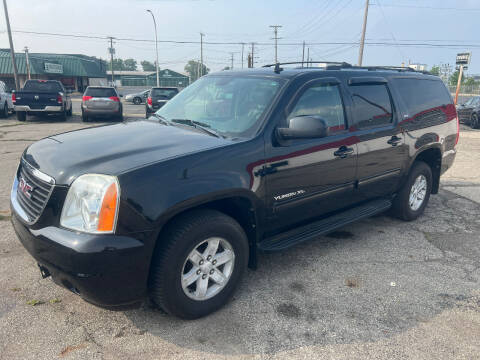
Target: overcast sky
{"points": [[319, 21]]}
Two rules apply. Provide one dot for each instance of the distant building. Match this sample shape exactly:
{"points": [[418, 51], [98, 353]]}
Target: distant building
{"points": [[418, 67], [167, 77], [75, 71]]}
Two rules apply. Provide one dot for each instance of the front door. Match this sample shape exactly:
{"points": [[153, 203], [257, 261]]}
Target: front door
{"points": [[307, 178]]}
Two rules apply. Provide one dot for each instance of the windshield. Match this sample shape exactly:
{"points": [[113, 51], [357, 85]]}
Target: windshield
{"points": [[100, 92], [232, 106]]}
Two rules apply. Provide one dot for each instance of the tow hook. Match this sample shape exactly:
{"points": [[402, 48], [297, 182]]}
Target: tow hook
{"points": [[44, 271]]}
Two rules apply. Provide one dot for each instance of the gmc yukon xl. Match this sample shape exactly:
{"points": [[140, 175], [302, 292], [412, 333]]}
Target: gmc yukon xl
{"points": [[176, 206]]}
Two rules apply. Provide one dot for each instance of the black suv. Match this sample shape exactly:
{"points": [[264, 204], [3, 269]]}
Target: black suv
{"points": [[469, 111], [157, 97], [176, 206]]}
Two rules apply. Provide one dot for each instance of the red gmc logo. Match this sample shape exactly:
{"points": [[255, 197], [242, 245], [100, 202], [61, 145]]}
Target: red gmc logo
{"points": [[25, 187]]}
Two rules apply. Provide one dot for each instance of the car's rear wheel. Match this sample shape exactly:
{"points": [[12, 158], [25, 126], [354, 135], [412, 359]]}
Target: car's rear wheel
{"points": [[413, 197], [203, 256], [62, 116], [474, 124], [21, 115], [85, 118], [4, 113], [70, 111], [137, 101]]}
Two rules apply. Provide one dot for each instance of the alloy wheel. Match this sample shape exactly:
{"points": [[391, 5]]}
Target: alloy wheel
{"points": [[207, 269], [418, 192]]}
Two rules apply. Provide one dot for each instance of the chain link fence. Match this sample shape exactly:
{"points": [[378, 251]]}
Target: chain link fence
{"points": [[466, 92]]}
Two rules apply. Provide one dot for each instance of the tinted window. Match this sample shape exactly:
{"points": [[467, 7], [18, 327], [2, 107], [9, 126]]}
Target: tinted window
{"points": [[42, 86], [164, 93], [372, 105], [323, 101], [420, 95], [100, 92]]}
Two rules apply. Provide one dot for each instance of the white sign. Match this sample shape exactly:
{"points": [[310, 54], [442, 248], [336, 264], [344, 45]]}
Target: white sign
{"points": [[53, 68], [463, 58]]}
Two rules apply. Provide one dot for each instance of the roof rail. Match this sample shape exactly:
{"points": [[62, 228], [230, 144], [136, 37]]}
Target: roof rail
{"points": [[337, 65]]}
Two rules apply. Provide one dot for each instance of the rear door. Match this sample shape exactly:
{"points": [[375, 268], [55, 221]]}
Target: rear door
{"points": [[381, 148], [160, 96], [307, 178]]}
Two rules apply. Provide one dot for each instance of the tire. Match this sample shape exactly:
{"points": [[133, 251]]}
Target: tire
{"points": [[198, 230], [62, 116], [137, 101], [85, 117], [4, 113], [70, 111], [474, 123], [402, 204], [21, 115]]}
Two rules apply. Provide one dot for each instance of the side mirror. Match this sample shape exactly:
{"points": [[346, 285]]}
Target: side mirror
{"points": [[304, 127], [121, 95]]}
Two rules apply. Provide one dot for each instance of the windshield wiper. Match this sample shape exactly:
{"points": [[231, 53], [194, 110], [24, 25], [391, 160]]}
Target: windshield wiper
{"points": [[197, 125], [161, 119]]}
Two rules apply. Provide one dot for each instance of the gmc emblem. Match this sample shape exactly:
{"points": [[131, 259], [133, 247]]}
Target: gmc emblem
{"points": [[25, 187]]}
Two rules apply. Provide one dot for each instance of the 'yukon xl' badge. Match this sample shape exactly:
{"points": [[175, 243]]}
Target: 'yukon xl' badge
{"points": [[25, 187]]}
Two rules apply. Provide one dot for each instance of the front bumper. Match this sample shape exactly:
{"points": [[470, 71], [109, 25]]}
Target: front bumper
{"points": [[106, 270], [45, 109]]}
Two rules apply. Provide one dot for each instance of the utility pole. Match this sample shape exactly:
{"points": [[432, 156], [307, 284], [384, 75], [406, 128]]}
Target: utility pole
{"points": [[112, 51], [156, 46], [27, 60], [303, 53], [364, 30], [231, 67], [12, 51], [308, 57], [201, 54], [459, 83], [276, 38], [243, 45], [253, 54]]}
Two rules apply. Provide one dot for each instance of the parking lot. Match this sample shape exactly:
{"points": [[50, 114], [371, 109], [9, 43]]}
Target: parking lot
{"points": [[377, 289]]}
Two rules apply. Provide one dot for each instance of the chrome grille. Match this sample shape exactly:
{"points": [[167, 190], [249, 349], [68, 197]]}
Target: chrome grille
{"points": [[34, 204]]}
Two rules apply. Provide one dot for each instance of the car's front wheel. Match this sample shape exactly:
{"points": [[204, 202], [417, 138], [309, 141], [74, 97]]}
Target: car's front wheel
{"points": [[199, 263], [137, 101]]}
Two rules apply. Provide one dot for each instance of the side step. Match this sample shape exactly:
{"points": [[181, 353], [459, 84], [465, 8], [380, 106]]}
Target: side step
{"points": [[321, 227]]}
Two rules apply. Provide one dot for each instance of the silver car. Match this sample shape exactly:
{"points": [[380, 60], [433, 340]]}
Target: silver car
{"points": [[101, 101], [6, 104], [137, 98]]}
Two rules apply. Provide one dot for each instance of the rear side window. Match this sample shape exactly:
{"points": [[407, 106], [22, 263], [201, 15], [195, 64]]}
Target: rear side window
{"points": [[372, 105], [100, 92], [421, 94], [42, 86], [323, 101], [164, 93]]}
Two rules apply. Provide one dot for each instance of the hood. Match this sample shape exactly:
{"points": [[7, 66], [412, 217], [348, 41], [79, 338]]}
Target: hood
{"points": [[114, 149]]}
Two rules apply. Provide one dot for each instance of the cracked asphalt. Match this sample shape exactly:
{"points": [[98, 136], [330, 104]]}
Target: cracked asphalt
{"points": [[376, 289]]}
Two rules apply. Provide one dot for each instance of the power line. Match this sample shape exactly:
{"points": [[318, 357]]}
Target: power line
{"points": [[429, 7]]}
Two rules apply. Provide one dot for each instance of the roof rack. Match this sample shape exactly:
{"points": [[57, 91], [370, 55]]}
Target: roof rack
{"points": [[338, 65]]}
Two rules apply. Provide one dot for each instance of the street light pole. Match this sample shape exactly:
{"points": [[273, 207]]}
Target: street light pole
{"points": [[156, 45], [12, 51]]}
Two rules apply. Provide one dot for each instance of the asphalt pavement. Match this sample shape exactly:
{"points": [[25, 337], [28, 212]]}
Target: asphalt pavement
{"points": [[377, 289]]}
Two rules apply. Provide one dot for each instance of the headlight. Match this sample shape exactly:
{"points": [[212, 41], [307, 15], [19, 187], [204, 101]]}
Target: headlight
{"points": [[91, 204]]}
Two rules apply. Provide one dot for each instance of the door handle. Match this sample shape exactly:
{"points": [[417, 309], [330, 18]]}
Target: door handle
{"points": [[343, 152], [394, 140]]}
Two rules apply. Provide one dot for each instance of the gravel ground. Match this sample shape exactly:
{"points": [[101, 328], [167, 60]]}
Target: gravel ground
{"points": [[376, 289]]}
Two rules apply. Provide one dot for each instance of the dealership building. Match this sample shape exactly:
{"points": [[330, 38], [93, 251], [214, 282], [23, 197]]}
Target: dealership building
{"points": [[74, 71], [166, 77]]}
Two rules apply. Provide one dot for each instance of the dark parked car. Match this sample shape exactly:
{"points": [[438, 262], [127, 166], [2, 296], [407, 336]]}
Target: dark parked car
{"points": [[239, 162], [137, 98], [469, 112], [157, 97], [42, 97], [101, 101]]}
